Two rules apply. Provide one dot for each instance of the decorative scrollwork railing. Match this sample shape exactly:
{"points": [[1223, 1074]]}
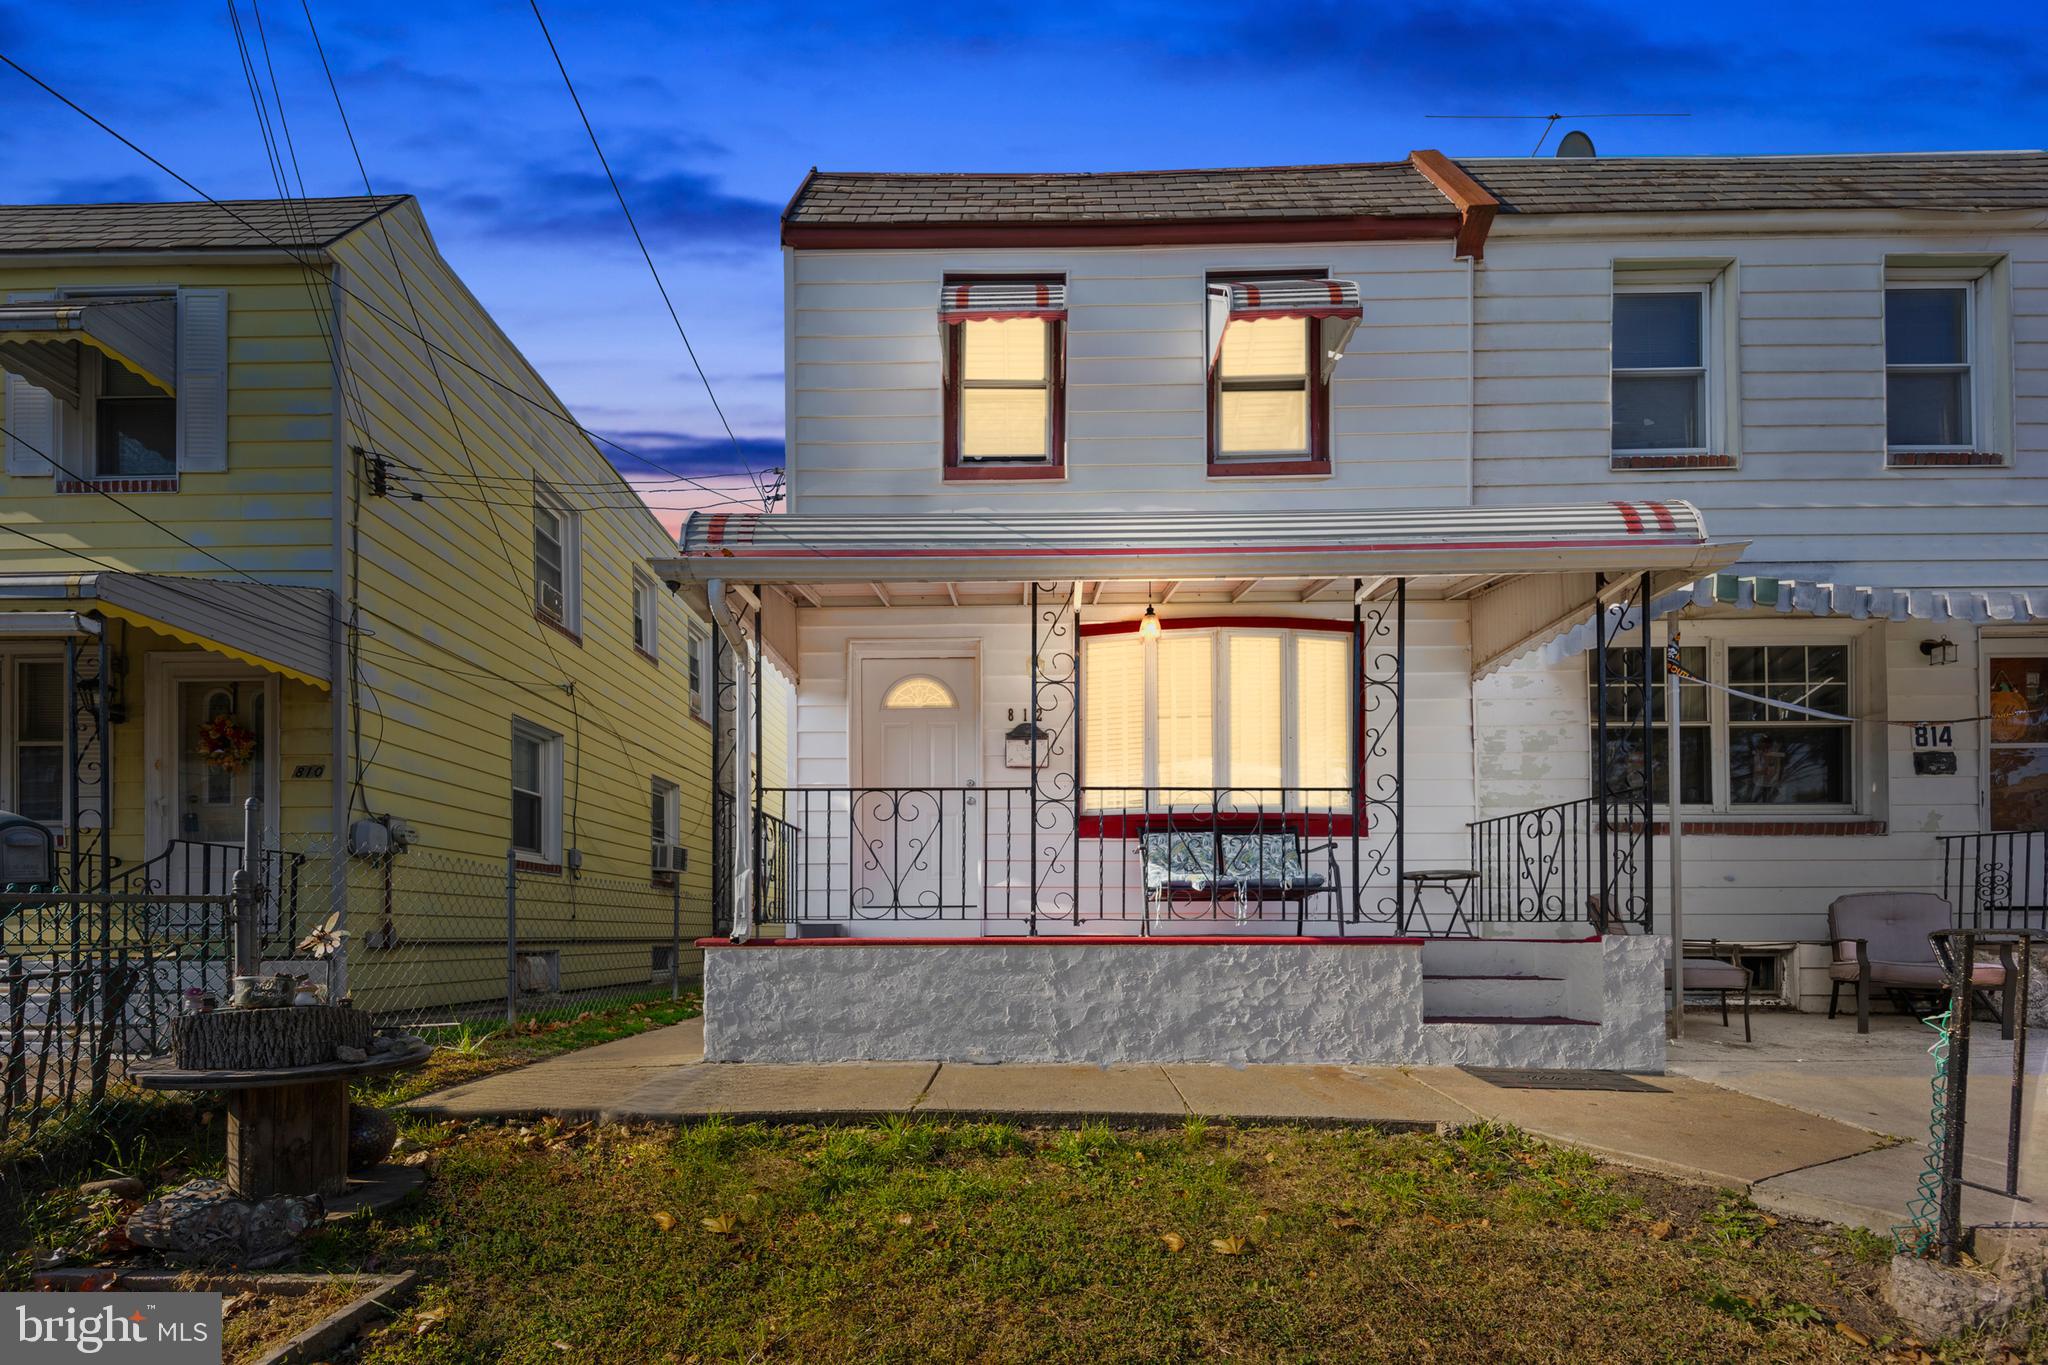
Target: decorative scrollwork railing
{"points": [[1543, 866], [1996, 879]]}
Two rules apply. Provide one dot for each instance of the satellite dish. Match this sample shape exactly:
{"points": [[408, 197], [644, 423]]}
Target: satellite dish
{"points": [[1575, 143]]}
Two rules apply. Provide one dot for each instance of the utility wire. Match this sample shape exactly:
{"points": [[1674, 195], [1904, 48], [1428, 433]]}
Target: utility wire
{"points": [[370, 304], [641, 242]]}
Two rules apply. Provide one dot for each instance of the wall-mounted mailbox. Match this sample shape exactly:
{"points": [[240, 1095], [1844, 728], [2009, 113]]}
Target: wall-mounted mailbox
{"points": [[1934, 763], [1017, 751], [28, 854]]}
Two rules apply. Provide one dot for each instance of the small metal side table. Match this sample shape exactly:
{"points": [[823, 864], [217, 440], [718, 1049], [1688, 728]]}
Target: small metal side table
{"points": [[1456, 883]]}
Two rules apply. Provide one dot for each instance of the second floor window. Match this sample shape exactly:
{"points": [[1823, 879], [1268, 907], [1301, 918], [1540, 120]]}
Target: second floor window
{"points": [[135, 425], [1927, 379], [1005, 361], [557, 570], [646, 612], [1660, 371], [1273, 342]]}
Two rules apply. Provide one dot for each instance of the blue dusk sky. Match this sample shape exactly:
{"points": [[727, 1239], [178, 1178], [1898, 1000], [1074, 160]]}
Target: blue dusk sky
{"points": [[712, 114]]}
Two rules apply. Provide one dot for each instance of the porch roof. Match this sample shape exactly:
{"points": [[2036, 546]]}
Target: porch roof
{"points": [[282, 629], [1615, 537]]}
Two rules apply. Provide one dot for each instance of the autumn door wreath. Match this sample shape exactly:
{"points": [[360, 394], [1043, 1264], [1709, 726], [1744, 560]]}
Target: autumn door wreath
{"points": [[226, 743]]}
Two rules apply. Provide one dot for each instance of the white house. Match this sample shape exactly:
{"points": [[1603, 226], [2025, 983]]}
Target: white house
{"points": [[1192, 582]]}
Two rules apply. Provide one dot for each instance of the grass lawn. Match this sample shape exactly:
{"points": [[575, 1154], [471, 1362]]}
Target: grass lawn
{"points": [[470, 1052], [909, 1241]]}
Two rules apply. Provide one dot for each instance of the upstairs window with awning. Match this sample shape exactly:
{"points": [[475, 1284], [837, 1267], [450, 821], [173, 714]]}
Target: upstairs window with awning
{"points": [[1272, 345], [1005, 359], [121, 385]]}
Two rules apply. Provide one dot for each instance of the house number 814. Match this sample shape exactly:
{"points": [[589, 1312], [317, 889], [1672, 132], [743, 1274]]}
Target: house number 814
{"points": [[1934, 736]]}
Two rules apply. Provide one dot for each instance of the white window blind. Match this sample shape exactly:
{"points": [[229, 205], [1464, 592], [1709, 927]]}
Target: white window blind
{"points": [[1257, 706], [1113, 715], [1186, 690], [1005, 396], [1322, 714]]}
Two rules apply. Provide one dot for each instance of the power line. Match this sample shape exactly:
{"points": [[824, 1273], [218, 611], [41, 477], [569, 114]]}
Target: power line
{"points": [[371, 304], [641, 242]]}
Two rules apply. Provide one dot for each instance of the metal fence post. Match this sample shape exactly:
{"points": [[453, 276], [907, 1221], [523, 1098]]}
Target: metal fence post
{"points": [[511, 936], [675, 936], [249, 891]]}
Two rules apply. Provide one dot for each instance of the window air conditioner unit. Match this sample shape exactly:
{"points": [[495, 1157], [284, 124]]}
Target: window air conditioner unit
{"points": [[551, 601], [671, 858]]}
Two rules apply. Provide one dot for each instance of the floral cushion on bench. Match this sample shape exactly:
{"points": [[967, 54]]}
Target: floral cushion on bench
{"points": [[1185, 860], [1180, 860]]}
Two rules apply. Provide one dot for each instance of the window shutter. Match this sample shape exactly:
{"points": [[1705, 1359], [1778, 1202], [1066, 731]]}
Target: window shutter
{"points": [[31, 428], [202, 380]]}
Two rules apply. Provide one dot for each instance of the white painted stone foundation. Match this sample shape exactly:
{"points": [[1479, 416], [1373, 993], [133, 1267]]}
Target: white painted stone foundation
{"points": [[1236, 1002]]}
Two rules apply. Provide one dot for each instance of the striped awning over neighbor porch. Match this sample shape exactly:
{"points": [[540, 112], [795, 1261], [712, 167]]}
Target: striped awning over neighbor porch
{"points": [[1810, 597]]}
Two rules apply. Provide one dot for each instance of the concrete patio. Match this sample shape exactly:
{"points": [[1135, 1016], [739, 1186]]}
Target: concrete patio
{"points": [[1812, 1119]]}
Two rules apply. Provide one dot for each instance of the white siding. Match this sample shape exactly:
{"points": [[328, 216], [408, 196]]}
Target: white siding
{"points": [[864, 418], [1812, 494]]}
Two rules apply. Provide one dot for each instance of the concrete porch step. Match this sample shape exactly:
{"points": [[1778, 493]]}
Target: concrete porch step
{"points": [[1519, 994]]}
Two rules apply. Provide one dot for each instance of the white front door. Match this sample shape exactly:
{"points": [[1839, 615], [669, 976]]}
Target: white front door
{"points": [[916, 852], [212, 735]]}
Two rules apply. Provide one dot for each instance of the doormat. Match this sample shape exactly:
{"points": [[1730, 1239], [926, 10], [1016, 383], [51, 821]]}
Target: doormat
{"points": [[1518, 1078]]}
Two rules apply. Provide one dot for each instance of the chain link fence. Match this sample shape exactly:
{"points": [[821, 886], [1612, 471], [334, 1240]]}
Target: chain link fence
{"points": [[94, 980]]}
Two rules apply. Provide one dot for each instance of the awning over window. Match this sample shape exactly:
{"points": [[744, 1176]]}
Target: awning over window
{"points": [[282, 629], [1615, 537], [1334, 301], [46, 340], [1046, 299], [1804, 597]]}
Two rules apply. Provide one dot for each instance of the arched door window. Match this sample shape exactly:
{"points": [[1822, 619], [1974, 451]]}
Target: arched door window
{"points": [[918, 693]]}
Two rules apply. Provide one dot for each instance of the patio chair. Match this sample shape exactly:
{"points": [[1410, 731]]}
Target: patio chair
{"points": [[1710, 973], [1881, 938]]}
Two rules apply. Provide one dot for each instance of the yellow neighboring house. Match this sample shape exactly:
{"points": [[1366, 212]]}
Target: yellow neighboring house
{"points": [[260, 539]]}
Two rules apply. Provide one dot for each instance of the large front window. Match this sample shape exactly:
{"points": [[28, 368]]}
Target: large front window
{"points": [[1242, 717], [1735, 752]]}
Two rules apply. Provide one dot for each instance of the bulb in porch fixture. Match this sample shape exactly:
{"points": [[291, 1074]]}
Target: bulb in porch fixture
{"points": [[1148, 626]]}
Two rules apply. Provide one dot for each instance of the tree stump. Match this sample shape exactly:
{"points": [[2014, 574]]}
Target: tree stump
{"points": [[288, 1139], [267, 1040]]}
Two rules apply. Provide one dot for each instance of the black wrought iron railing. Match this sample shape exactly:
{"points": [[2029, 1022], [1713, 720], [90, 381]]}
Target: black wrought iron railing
{"points": [[1546, 865], [1996, 879], [190, 867], [1009, 860], [772, 878]]}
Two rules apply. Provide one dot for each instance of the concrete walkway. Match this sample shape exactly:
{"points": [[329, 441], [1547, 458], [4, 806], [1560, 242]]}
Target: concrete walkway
{"points": [[1878, 1081], [1774, 1118]]}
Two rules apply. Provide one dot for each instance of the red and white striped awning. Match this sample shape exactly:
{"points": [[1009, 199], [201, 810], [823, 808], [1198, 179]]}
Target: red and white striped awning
{"points": [[995, 301], [1334, 302], [1612, 537]]}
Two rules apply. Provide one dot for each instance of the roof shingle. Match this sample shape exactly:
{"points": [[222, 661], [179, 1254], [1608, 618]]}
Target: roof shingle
{"points": [[1960, 181], [241, 225]]}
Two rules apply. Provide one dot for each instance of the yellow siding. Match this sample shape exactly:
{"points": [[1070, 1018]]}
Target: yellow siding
{"points": [[450, 580], [270, 512]]}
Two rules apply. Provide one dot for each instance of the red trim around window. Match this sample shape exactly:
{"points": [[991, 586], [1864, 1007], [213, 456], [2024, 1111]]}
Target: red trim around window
{"points": [[1130, 825], [956, 470], [1317, 460], [1326, 624]]}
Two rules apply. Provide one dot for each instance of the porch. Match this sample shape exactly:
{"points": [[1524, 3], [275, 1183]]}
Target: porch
{"points": [[1108, 733]]}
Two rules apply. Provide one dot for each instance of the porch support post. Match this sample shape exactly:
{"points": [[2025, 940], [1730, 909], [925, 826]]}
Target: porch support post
{"points": [[740, 845], [1031, 825], [1401, 756], [1601, 876], [1649, 735], [1671, 762], [1357, 749], [759, 768]]}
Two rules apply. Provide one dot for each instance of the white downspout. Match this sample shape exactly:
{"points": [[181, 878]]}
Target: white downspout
{"points": [[742, 759]]}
